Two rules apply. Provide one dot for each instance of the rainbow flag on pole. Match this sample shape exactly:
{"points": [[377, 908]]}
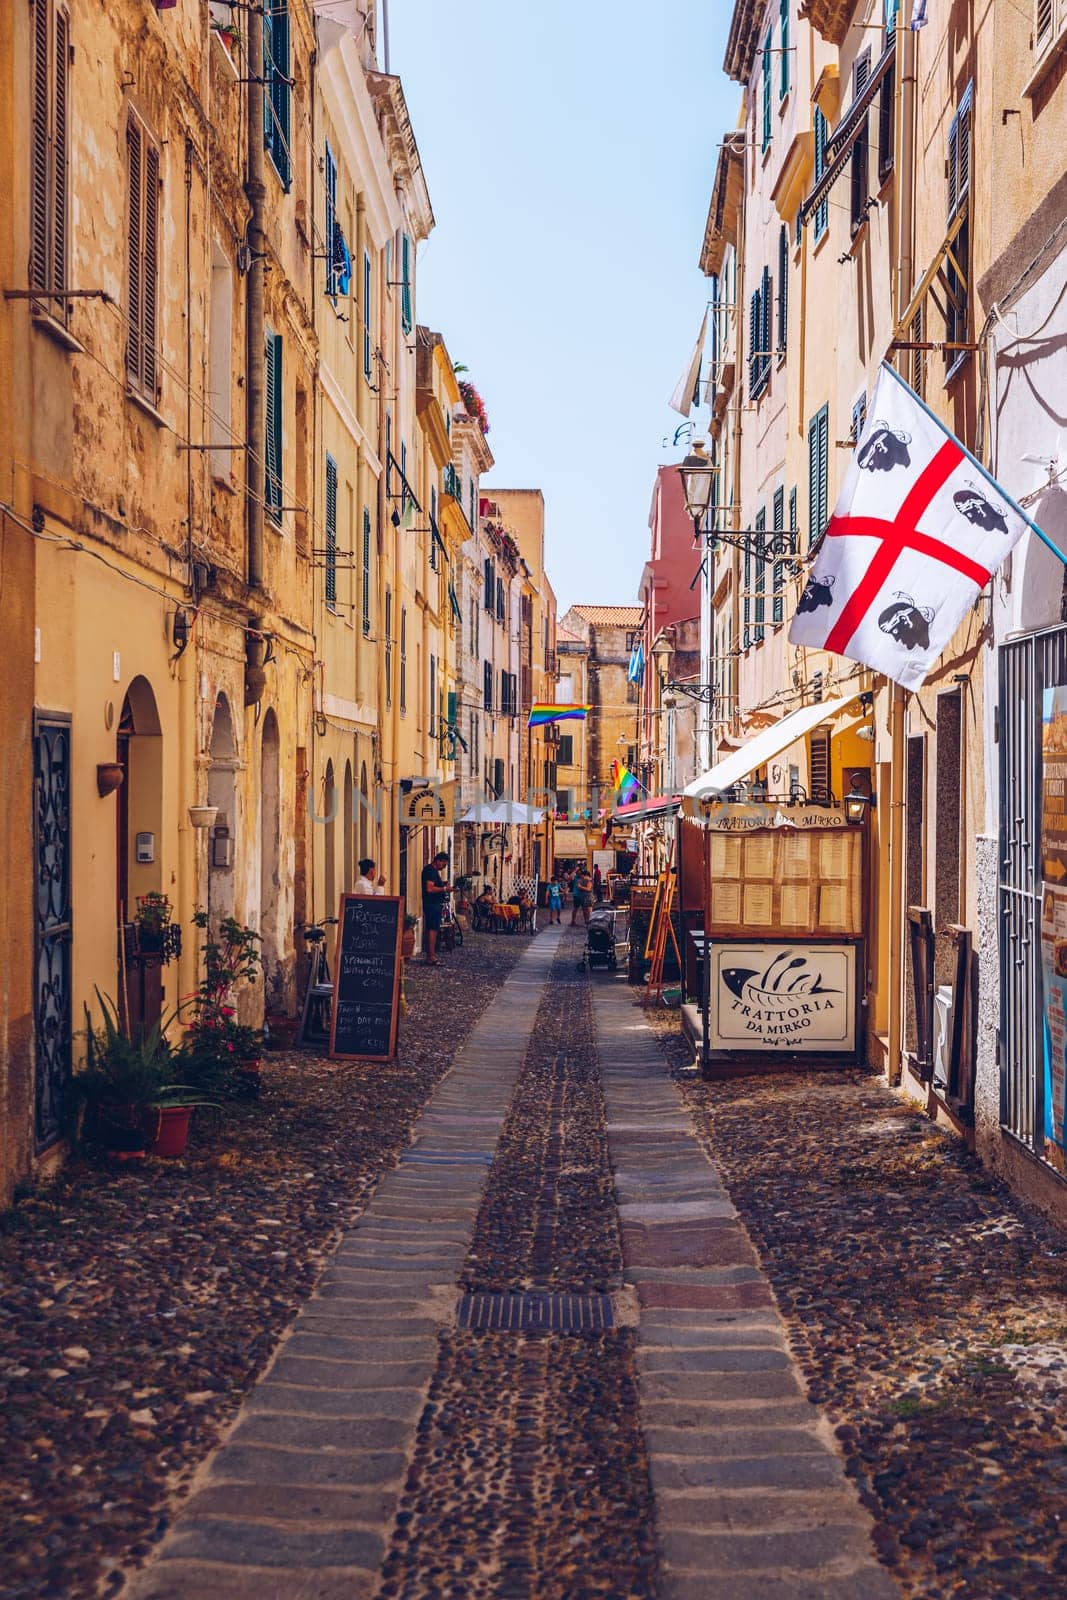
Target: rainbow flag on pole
{"points": [[626, 785], [542, 714]]}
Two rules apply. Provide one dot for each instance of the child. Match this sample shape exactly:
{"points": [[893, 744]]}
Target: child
{"points": [[555, 901]]}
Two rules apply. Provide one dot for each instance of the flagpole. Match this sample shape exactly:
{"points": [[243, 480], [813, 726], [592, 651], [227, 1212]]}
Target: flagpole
{"points": [[986, 474], [894, 1064]]}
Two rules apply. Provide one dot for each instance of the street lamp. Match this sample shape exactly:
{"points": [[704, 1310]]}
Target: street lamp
{"points": [[697, 472], [858, 800]]}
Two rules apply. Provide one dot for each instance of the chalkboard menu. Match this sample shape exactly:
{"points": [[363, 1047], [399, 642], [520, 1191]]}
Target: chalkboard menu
{"points": [[366, 987]]}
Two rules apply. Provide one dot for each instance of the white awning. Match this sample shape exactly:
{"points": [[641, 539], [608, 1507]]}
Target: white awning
{"points": [[499, 813], [760, 749]]}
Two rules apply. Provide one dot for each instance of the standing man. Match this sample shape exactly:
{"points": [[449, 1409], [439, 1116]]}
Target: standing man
{"points": [[583, 895], [370, 880], [434, 893]]}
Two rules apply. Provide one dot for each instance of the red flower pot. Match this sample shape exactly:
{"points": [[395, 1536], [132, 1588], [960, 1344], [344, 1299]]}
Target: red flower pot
{"points": [[172, 1130]]}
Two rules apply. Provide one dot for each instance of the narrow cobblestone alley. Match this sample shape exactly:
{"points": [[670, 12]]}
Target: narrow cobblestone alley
{"points": [[545, 1363]]}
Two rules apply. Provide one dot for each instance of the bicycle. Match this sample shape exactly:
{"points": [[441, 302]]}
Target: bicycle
{"points": [[318, 996]]}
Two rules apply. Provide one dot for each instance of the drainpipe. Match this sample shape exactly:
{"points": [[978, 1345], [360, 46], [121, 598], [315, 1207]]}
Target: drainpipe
{"points": [[255, 322], [735, 486], [904, 155]]}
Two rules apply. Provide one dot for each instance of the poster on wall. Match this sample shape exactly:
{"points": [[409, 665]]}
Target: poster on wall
{"points": [[1054, 909], [778, 995]]}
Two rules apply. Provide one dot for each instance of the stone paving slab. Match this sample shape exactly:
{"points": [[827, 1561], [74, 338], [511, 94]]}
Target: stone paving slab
{"points": [[752, 1499], [296, 1503]]}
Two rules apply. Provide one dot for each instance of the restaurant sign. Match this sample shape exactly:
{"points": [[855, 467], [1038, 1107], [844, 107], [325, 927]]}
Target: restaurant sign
{"points": [[746, 815], [783, 996]]}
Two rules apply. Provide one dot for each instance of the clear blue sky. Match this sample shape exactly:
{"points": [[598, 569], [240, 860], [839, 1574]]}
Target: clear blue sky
{"points": [[569, 148]]}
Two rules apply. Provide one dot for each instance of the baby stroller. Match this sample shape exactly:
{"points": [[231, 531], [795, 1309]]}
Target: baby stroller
{"points": [[600, 940]]}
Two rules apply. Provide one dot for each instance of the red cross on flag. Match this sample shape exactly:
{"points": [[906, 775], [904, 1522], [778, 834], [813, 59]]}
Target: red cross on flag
{"points": [[917, 533]]}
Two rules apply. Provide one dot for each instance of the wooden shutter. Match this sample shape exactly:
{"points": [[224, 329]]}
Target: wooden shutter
{"points": [[886, 124], [367, 309], [783, 77], [134, 315], [860, 154], [766, 91], [366, 570], [388, 647], [783, 288], [49, 152], [330, 177], [1044, 12], [433, 696], [766, 331], [824, 465], [778, 585], [755, 324], [405, 293], [818, 449], [60, 156], [331, 532], [747, 599], [142, 263], [819, 765], [822, 211], [150, 276], [273, 419], [487, 685], [40, 255]]}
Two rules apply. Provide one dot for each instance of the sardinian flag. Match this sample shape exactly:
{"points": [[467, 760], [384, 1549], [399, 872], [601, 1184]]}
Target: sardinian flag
{"points": [[917, 533]]}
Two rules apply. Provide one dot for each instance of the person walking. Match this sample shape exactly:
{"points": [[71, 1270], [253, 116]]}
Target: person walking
{"points": [[598, 884], [583, 895], [370, 880], [435, 892], [555, 901]]}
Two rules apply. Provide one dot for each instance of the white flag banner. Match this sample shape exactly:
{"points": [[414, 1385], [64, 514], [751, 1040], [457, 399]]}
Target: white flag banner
{"points": [[687, 390], [918, 531]]}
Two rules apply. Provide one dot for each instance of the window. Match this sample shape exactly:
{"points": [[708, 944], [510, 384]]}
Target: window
{"points": [[783, 291], [487, 685], [959, 188], [472, 744], [501, 608], [489, 585], [366, 608], [403, 659], [1050, 22], [498, 777], [142, 261], [331, 532], [860, 159], [388, 647], [273, 410], [918, 357], [818, 467], [433, 696], [276, 86], [766, 92], [822, 210], [470, 502], [778, 574], [368, 343], [761, 577], [406, 258], [783, 65], [49, 186], [565, 750]]}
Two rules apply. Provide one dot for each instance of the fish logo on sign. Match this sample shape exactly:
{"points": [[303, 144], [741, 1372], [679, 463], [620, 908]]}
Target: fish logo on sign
{"points": [[779, 985]]}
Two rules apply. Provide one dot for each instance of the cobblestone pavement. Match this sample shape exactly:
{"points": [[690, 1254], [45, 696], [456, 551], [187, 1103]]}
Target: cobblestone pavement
{"points": [[137, 1308], [928, 1311]]}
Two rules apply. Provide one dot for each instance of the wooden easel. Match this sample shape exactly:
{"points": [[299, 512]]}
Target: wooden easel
{"points": [[662, 926]]}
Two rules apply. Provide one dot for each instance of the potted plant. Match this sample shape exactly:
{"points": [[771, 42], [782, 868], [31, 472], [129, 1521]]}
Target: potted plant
{"points": [[126, 1098], [407, 943], [152, 922], [220, 1053]]}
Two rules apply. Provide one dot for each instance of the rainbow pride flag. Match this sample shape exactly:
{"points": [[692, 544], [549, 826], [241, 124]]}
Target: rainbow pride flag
{"points": [[542, 714], [626, 785]]}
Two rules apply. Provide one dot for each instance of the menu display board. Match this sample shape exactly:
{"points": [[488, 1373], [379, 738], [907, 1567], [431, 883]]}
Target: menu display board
{"points": [[807, 881], [366, 990], [787, 997]]}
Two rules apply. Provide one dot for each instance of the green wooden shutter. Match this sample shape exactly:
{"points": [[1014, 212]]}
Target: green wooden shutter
{"points": [[823, 420], [778, 584], [276, 86], [783, 289], [783, 76], [406, 315], [755, 325], [766, 332], [366, 607], [331, 532], [822, 210], [761, 575], [818, 464]]}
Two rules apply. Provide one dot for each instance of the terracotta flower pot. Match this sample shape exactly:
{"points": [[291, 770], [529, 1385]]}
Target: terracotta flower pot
{"points": [[172, 1130], [407, 943], [110, 776]]}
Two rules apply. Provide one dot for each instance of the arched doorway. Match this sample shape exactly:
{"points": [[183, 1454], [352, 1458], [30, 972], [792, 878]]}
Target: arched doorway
{"points": [[348, 824], [364, 808], [139, 750], [270, 859], [330, 841], [222, 792]]}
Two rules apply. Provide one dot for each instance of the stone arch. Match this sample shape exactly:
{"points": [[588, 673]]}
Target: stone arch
{"points": [[348, 829], [364, 814], [270, 858], [222, 793], [139, 750], [330, 842]]}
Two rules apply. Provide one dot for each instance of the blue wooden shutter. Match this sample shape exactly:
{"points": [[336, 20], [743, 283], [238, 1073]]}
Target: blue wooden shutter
{"points": [[755, 323], [822, 212], [331, 532], [330, 178], [273, 453], [766, 331], [276, 86], [366, 570], [783, 288]]}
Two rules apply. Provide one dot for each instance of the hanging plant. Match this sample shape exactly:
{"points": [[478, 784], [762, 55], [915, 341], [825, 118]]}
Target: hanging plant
{"points": [[473, 404]]}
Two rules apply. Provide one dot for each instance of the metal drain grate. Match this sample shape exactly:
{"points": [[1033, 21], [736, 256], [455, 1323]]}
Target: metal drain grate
{"points": [[536, 1311]]}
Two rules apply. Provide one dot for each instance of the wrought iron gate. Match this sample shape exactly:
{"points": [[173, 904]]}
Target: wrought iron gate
{"points": [[1027, 666], [52, 909]]}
